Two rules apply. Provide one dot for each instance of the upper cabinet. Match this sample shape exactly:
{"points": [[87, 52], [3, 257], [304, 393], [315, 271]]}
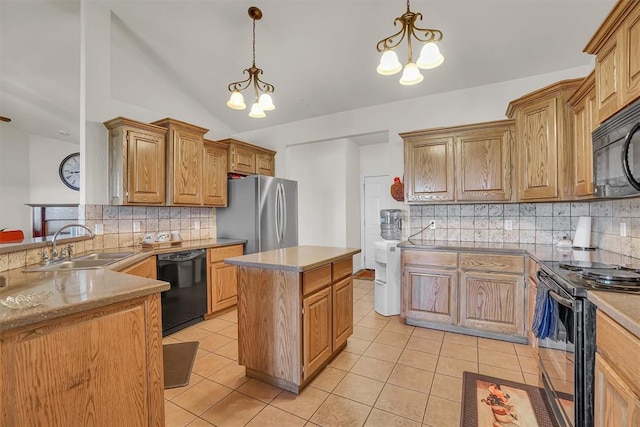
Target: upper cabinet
{"points": [[214, 178], [184, 157], [462, 163], [585, 120], [544, 135], [249, 159], [136, 162], [616, 45]]}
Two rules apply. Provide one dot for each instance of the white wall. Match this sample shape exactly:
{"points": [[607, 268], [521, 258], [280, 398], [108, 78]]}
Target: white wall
{"points": [[14, 179], [352, 199], [45, 155]]}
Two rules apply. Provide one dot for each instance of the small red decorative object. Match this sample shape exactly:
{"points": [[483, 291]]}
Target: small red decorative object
{"points": [[397, 189]]}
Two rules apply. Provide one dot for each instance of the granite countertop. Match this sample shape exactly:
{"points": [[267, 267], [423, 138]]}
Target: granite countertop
{"points": [[80, 290], [623, 308], [296, 258]]}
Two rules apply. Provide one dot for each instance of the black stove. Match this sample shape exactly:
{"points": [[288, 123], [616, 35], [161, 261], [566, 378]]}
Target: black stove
{"points": [[580, 276]]}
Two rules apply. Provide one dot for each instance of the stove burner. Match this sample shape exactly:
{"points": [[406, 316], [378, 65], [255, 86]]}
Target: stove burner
{"points": [[581, 265], [610, 275]]}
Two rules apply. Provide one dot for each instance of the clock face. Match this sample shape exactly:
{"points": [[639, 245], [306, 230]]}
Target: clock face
{"points": [[70, 171]]}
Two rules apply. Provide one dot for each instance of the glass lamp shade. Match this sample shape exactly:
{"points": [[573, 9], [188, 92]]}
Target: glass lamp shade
{"points": [[411, 75], [236, 101], [256, 111], [430, 56], [266, 102], [389, 64]]}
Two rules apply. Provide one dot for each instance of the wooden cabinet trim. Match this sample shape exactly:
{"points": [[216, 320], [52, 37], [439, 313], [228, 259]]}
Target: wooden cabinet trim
{"points": [[490, 262], [429, 259], [220, 253]]}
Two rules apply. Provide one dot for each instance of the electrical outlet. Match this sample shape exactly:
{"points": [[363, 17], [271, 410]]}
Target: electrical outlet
{"points": [[98, 229], [623, 229], [432, 224], [136, 226], [508, 224], [196, 225]]}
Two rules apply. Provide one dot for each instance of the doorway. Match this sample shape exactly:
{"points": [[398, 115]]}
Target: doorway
{"points": [[376, 197]]}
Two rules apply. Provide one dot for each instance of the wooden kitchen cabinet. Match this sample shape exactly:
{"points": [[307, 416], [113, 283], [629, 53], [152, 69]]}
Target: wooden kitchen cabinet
{"points": [[585, 121], [616, 45], [136, 162], [544, 132], [316, 330], [249, 159], [617, 375], [532, 291], [185, 144], [61, 371], [214, 178], [222, 279], [146, 268], [462, 163], [342, 300]]}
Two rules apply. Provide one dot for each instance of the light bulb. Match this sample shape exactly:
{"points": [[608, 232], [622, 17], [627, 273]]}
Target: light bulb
{"points": [[256, 111], [411, 75], [430, 56], [266, 102], [389, 64], [236, 101]]}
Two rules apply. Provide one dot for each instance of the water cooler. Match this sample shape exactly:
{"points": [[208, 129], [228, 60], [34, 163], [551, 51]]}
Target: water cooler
{"points": [[387, 263]]}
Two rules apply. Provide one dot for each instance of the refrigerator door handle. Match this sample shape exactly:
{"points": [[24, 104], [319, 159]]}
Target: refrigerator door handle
{"points": [[284, 213], [277, 212]]}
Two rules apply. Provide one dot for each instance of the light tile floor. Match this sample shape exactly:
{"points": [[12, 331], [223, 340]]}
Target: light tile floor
{"points": [[390, 374]]}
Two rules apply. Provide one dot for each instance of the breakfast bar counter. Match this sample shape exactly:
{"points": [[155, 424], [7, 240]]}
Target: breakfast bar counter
{"points": [[295, 311]]}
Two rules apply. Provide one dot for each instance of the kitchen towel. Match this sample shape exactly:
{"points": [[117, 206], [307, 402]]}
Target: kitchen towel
{"points": [[582, 238], [545, 315]]}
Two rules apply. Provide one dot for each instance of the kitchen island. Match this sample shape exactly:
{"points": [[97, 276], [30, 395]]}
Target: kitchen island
{"points": [[295, 311]]}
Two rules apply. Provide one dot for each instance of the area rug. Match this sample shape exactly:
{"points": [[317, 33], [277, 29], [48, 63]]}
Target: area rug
{"points": [[492, 402], [178, 362], [365, 275]]}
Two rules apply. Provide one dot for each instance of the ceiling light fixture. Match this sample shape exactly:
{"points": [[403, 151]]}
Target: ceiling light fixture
{"points": [[262, 103], [430, 56]]}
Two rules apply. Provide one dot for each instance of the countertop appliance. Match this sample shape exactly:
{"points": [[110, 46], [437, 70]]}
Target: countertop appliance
{"points": [[387, 277], [616, 154], [185, 303], [567, 360], [262, 210]]}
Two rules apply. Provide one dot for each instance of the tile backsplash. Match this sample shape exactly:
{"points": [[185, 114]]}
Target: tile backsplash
{"points": [[537, 223]]}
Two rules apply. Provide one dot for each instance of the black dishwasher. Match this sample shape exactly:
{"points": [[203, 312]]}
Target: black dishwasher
{"points": [[185, 303]]}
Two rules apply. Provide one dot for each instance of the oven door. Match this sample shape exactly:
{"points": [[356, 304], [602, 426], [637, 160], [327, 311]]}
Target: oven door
{"points": [[557, 354]]}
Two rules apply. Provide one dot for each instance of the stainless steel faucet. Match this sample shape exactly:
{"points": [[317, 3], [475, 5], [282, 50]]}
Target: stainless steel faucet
{"points": [[54, 249]]}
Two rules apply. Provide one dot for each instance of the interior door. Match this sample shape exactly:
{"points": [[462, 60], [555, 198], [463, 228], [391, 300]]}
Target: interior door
{"points": [[376, 197]]}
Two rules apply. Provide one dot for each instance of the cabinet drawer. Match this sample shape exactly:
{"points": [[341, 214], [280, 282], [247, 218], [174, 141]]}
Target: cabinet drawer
{"points": [[218, 254], [315, 279], [620, 347], [432, 259], [342, 268], [489, 262]]}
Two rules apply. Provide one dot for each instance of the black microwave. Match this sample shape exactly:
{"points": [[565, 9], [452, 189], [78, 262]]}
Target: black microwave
{"points": [[616, 154]]}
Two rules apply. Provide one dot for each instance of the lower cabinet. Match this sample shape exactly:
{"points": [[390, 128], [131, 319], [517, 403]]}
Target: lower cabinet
{"points": [[468, 292], [61, 372], [145, 268], [532, 291], [222, 280], [342, 295], [316, 324], [617, 375]]}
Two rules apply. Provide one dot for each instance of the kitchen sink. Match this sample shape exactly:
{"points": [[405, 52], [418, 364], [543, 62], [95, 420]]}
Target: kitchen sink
{"points": [[85, 262]]}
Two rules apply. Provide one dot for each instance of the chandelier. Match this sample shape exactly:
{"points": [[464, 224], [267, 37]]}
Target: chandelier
{"points": [[262, 102], [430, 56]]}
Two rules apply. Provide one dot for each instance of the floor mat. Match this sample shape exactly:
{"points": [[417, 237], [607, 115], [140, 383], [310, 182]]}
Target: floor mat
{"points": [[488, 401], [365, 275], [178, 362]]}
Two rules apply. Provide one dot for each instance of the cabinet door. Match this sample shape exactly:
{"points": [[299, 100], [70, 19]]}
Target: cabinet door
{"points": [[536, 128], [431, 295], [583, 124], [145, 168], [492, 302], [615, 403], [631, 57], [146, 268], [429, 169], [223, 292], [243, 160], [186, 167], [265, 164], [342, 311], [316, 324], [214, 176], [483, 166], [608, 63], [532, 291]]}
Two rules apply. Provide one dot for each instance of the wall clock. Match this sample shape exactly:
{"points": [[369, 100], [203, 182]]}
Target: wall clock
{"points": [[69, 171]]}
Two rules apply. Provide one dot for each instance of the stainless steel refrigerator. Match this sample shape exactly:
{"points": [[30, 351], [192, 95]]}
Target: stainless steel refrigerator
{"points": [[263, 210]]}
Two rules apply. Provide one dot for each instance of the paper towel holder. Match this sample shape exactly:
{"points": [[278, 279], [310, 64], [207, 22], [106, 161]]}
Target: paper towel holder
{"points": [[583, 248]]}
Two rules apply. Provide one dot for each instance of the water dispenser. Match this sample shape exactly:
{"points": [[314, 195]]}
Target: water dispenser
{"points": [[391, 224]]}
